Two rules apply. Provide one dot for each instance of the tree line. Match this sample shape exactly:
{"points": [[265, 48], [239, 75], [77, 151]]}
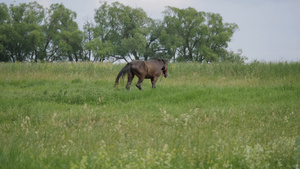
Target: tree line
{"points": [[30, 32]]}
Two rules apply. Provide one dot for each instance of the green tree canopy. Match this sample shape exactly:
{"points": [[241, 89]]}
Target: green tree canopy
{"points": [[63, 38], [195, 36], [20, 33], [123, 27], [29, 32]]}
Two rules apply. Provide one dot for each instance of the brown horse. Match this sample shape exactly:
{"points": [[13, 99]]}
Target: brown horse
{"points": [[144, 70]]}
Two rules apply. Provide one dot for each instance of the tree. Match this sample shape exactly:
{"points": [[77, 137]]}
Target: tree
{"points": [[4, 26], [100, 49], [88, 36], [153, 48], [28, 32], [96, 41], [219, 35], [21, 35], [195, 36], [63, 38], [183, 29], [123, 27], [34, 16], [69, 45]]}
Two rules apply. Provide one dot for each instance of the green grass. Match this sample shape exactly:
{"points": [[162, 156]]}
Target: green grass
{"points": [[69, 115]]}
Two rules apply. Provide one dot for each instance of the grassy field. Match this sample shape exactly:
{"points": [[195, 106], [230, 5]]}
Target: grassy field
{"points": [[69, 115]]}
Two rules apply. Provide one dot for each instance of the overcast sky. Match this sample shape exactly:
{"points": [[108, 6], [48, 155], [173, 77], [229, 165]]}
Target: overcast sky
{"points": [[269, 30]]}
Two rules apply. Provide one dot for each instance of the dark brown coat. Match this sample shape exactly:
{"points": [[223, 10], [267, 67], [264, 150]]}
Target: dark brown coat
{"points": [[143, 70]]}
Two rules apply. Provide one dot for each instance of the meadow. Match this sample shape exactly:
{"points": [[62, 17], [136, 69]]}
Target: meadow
{"points": [[222, 115]]}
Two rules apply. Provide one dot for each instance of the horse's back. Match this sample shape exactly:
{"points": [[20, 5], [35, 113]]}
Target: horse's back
{"points": [[137, 64], [138, 67]]}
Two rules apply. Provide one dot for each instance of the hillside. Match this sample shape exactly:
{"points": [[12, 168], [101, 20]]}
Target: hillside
{"points": [[69, 115]]}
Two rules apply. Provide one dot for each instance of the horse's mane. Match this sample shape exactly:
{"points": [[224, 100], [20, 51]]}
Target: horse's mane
{"points": [[160, 60]]}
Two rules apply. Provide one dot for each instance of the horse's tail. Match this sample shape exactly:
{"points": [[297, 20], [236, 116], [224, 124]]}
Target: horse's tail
{"points": [[122, 73]]}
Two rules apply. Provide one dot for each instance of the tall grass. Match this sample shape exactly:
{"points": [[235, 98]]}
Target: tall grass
{"points": [[69, 115]]}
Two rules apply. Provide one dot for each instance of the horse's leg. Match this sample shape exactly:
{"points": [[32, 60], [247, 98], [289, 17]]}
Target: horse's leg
{"points": [[130, 78], [139, 83], [153, 81]]}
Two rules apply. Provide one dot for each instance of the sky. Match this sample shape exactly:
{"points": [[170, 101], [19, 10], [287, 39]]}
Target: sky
{"points": [[269, 30]]}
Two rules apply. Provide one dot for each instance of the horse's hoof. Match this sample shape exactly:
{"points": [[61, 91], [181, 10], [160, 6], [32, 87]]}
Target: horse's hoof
{"points": [[139, 87]]}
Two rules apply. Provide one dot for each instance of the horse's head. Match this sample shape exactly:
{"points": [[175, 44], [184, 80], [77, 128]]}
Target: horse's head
{"points": [[165, 68]]}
